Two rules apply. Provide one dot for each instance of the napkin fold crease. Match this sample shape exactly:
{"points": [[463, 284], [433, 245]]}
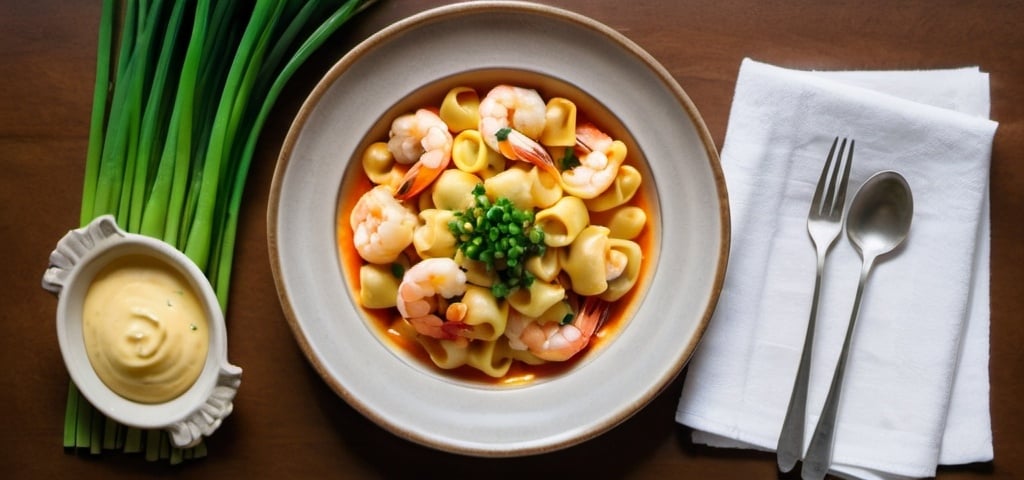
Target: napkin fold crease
{"points": [[916, 388]]}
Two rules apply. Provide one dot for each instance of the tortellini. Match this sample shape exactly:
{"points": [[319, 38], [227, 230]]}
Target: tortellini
{"points": [[527, 188], [378, 286], [446, 354], [513, 184], [459, 109], [559, 123], [625, 222], [471, 155], [563, 221], [544, 188], [545, 267], [380, 166], [486, 315], [593, 232], [536, 299], [586, 261], [433, 238], [492, 358], [453, 190], [622, 189]]}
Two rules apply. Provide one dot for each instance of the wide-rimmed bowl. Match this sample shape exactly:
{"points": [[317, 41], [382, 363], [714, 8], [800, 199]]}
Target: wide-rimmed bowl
{"points": [[559, 52]]}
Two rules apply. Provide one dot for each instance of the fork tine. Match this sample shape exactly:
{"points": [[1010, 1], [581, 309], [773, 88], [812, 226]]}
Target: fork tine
{"points": [[816, 201], [841, 196], [829, 205]]}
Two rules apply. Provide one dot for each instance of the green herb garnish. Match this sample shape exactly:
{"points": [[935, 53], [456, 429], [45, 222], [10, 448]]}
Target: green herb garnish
{"points": [[397, 270], [569, 160], [501, 236]]}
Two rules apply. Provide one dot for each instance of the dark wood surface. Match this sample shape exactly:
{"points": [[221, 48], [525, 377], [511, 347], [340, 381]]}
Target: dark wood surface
{"points": [[287, 422]]}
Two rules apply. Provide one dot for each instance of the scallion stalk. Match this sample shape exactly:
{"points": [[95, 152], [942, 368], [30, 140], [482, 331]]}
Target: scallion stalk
{"points": [[173, 130], [224, 126], [310, 45], [180, 151], [154, 119], [99, 111]]}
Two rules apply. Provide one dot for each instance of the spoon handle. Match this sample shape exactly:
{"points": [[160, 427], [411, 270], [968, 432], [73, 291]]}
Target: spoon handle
{"points": [[819, 453], [791, 438]]}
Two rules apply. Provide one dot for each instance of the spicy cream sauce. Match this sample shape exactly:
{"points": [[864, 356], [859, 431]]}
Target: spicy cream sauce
{"points": [[145, 330]]}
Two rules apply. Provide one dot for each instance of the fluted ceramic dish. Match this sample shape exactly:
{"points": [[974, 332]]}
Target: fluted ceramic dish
{"points": [[79, 257], [480, 43]]}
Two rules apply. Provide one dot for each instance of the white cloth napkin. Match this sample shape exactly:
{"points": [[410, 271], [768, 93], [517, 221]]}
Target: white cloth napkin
{"points": [[916, 387]]}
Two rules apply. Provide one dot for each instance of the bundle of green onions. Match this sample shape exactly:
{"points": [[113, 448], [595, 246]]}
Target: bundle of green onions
{"points": [[174, 126]]}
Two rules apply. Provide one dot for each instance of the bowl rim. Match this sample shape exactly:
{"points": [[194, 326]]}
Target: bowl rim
{"points": [[411, 23]]}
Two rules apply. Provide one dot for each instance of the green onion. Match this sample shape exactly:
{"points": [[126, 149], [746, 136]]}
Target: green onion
{"points": [[501, 236], [174, 126], [99, 111], [310, 45], [569, 160]]}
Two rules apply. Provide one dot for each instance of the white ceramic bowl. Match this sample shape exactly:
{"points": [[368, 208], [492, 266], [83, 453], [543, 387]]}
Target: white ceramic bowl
{"points": [[480, 43], [78, 258]]}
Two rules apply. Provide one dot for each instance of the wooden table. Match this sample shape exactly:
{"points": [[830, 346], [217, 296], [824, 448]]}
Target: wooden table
{"points": [[287, 422]]}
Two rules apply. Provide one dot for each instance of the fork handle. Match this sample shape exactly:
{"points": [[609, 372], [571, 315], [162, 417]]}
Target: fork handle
{"points": [[791, 438]]}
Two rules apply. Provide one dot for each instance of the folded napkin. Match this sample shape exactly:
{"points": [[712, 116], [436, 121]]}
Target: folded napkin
{"points": [[916, 386]]}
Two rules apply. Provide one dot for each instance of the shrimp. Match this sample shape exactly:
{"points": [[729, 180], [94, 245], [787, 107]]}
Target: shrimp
{"points": [[554, 342], [381, 226], [511, 119], [599, 160], [418, 303], [422, 139]]}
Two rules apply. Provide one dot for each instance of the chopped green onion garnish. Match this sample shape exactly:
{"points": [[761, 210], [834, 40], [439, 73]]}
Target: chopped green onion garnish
{"points": [[501, 236]]}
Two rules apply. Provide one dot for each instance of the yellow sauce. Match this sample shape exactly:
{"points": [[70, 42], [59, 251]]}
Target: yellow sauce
{"points": [[145, 331]]}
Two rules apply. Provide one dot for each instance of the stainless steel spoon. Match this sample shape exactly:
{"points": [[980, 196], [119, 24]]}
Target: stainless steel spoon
{"points": [[877, 222]]}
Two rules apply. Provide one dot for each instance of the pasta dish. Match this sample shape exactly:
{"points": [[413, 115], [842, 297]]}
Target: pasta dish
{"points": [[496, 233]]}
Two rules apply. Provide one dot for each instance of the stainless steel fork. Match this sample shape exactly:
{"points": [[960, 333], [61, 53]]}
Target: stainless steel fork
{"points": [[824, 222]]}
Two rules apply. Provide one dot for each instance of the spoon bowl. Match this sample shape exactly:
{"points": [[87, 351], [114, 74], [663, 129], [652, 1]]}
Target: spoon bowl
{"points": [[879, 217]]}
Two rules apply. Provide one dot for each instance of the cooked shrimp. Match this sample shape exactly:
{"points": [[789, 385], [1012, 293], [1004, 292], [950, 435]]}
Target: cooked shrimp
{"points": [[422, 139], [552, 341], [599, 160], [418, 300], [381, 226], [511, 119]]}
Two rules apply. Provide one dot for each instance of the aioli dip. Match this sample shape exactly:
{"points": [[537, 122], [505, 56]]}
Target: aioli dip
{"points": [[145, 330]]}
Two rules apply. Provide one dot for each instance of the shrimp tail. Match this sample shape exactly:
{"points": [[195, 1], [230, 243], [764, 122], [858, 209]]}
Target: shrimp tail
{"points": [[453, 330], [416, 180], [592, 315], [436, 327], [517, 146]]}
